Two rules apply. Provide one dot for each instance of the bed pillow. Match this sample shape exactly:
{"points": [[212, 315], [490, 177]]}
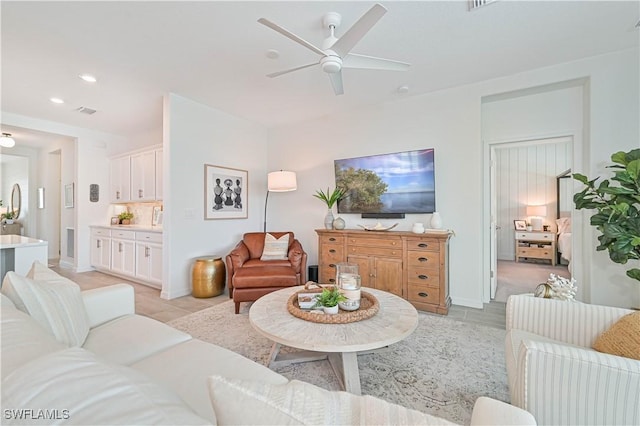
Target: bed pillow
{"points": [[55, 303], [275, 248], [564, 225], [300, 403]]}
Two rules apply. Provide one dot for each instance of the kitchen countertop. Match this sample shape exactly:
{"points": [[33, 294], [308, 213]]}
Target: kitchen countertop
{"points": [[130, 227], [15, 241]]}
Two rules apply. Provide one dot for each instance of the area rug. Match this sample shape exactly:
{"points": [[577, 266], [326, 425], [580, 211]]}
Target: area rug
{"points": [[440, 369]]}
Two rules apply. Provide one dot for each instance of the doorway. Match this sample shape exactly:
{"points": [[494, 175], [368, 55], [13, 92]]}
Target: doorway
{"points": [[524, 192]]}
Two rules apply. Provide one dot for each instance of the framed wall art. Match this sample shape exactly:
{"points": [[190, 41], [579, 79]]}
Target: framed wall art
{"points": [[225, 193]]}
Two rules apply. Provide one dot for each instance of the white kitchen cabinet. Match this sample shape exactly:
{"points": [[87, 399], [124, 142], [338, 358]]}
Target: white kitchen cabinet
{"points": [[123, 257], [143, 176], [100, 251], [159, 172], [149, 258], [120, 180]]}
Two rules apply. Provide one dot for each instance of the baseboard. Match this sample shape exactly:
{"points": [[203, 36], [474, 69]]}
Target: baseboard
{"points": [[175, 294], [470, 303]]}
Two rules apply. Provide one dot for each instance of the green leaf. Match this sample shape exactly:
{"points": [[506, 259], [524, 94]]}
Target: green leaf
{"points": [[619, 158], [580, 177], [634, 273]]}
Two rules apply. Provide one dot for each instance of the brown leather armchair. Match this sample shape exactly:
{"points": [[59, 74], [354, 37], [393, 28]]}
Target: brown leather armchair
{"points": [[249, 278]]}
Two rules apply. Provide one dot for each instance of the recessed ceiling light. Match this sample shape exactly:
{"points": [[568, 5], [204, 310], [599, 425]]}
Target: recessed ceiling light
{"points": [[403, 89], [88, 78], [56, 100]]}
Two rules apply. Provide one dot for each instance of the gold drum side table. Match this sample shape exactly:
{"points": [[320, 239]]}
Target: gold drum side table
{"points": [[208, 276]]}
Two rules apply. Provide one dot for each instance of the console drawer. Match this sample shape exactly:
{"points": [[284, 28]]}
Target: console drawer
{"points": [[423, 294], [375, 251], [423, 277], [375, 242], [423, 244], [423, 259]]}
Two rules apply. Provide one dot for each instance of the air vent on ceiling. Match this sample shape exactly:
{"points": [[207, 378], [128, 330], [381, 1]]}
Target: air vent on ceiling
{"points": [[86, 110], [474, 4]]}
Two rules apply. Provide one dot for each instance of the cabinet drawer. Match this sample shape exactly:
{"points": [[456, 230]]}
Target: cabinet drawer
{"points": [[375, 242], [331, 239], [125, 235], [424, 277], [375, 251], [423, 259], [333, 252], [423, 244], [423, 294], [151, 237], [536, 252], [100, 232], [535, 236], [327, 274]]}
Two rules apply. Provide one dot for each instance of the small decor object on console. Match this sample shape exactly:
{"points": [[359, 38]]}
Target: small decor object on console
{"points": [[339, 223], [378, 227], [329, 199], [557, 287], [418, 228], [436, 221]]}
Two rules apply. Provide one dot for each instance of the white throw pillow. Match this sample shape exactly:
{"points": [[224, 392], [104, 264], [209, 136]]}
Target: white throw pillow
{"points": [[300, 403], [55, 303], [76, 387], [275, 248]]}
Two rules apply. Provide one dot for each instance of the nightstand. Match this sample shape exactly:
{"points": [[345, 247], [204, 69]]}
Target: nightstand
{"points": [[536, 245]]}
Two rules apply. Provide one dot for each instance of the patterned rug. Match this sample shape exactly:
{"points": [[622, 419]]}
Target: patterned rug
{"points": [[440, 369]]}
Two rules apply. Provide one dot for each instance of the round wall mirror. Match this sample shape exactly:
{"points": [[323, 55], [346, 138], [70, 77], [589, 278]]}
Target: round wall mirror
{"points": [[16, 196]]}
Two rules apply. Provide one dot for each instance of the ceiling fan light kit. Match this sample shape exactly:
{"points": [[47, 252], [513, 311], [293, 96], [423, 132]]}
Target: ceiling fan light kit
{"points": [[335, 54]]}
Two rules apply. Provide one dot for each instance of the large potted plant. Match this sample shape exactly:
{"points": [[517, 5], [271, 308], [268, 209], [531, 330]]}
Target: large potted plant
{"points": [[617, 208], [329, 198]]}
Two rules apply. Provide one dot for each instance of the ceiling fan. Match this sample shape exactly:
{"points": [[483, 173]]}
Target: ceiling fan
{"points": [[335, 52]]}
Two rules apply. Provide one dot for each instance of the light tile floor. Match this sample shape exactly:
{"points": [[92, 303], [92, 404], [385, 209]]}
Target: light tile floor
{"points": [[149, 303]]}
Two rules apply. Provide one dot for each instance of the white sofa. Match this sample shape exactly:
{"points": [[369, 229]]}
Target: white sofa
{"points": [[131, 369], [555, 374]]}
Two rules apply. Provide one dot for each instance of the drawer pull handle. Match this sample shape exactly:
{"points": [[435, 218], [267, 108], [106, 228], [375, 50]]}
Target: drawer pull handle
{"points": [[423, 259], [423, 277], [332, 251], [332, 280], [423, 294], [332, 265], [423, 245], [332, 239]]}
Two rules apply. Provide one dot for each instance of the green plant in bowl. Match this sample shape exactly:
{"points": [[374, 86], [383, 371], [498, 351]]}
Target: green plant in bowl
{"points": [[330, 297], [125, 217]]}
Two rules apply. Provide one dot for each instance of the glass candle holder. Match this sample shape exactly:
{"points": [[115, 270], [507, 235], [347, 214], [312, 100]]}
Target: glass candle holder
{"points": [[349, 283]]}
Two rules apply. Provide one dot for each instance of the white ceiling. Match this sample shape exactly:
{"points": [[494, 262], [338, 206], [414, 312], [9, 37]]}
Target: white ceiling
{"points": [[214, 53]]}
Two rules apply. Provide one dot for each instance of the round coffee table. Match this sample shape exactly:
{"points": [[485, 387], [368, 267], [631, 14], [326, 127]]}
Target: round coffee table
{"points": [[339, 343]]}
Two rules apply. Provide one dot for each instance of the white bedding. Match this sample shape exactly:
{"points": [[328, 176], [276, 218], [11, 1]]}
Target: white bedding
{"points": [[564, 245]]}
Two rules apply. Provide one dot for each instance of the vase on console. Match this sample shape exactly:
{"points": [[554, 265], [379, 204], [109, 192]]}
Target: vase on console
{"points": [[436, 221], [328, 220]]}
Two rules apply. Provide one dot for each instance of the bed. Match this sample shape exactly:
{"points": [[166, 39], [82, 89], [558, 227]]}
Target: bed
{"points": [[563, 215]]}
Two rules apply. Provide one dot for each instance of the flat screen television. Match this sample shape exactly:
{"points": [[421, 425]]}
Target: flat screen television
{"points": [[396, 183]]}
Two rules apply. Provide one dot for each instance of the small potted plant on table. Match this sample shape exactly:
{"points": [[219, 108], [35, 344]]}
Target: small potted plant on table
{"points": [[125, 218], [8, 217], [329, 299]]}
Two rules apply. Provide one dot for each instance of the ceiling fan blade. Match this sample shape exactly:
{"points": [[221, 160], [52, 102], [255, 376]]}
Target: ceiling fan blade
{"points": [[358, 30], [276, 74], [292, 36], [353, 60], [336, 82]]}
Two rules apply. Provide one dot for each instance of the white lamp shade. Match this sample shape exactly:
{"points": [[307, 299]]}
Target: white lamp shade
{"points": [[282, 181], [539, 211]]}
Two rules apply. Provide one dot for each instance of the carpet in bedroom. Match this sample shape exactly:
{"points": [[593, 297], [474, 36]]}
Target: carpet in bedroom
{"points": [[440, 369]]}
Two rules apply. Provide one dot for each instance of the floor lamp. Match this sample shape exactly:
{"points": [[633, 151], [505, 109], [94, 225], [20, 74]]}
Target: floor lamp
{"points": [[280, 181]]}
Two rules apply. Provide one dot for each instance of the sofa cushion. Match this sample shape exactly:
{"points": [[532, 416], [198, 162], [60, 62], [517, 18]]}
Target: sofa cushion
{"points": [[622, 339], [297, 403], [55, 303], [23, 339], [189, 379], [76, 387], [254, 242], [130, 338], [275, 248]]}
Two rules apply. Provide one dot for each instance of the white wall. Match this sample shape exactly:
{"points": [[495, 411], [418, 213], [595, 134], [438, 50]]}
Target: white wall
{"points": [[195, 135], [450, 121]]}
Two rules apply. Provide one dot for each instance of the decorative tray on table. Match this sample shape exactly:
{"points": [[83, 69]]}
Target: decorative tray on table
{"points": [[369, 306]]}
